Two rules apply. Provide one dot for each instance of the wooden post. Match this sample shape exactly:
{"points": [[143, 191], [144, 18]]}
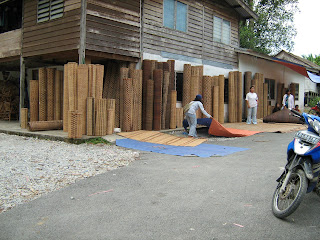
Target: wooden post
{"points": [[22, 85]]}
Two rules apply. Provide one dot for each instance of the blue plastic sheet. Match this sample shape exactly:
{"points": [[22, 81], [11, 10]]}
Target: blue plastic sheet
{"points": [[202, 150]]}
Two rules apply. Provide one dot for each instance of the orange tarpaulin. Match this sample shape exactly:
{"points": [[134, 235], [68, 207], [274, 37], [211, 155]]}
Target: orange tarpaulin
{"points": [[217, 129]]}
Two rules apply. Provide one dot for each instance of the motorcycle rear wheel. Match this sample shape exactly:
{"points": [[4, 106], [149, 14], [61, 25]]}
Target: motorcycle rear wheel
{"points": [[284, 204]]}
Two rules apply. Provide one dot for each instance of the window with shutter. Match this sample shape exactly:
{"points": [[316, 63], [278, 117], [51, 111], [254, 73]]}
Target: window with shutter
{"points": [[50, 9], [221, 30], [175, 15]]}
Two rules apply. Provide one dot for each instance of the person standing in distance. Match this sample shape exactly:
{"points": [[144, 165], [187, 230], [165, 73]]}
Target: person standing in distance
{"points": [[288, 100], [252, 104], [192, 117]]}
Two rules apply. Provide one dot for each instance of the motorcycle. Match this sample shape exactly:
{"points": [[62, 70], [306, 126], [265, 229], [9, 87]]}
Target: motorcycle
{"points": [[315, 110], [301, 173]]}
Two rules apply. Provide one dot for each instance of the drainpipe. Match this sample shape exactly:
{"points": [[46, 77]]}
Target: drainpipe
{"points": [[139, 64]]}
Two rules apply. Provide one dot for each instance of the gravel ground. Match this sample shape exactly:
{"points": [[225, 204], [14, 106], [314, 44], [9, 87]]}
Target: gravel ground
{"points": [[31, 167]]}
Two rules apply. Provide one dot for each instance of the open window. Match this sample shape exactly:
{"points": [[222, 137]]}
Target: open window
{"points": [[10, 15]]}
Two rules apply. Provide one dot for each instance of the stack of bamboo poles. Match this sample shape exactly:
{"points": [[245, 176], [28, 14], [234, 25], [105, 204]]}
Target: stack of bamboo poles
{"points": [[46, 100]]}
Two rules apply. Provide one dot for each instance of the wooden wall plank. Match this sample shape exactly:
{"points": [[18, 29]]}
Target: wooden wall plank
{"points": [[197, 42], [113, 27], [51, 36]]}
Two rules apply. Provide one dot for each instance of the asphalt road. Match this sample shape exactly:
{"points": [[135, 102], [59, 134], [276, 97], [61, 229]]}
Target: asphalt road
{"points": [[170, 197]]}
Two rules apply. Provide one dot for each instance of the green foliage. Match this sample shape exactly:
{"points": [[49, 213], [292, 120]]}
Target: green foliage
{"points": [[314, 101], [315, 59], [97, 140], [274, 30]]}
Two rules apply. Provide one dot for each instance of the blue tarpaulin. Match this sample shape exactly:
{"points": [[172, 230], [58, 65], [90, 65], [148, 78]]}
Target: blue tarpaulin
{"points": [[202, 150], [314, 78]]}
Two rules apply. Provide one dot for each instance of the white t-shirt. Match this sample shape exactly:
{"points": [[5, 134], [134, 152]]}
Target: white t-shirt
{"points": [[195, 106], [252, 99]]}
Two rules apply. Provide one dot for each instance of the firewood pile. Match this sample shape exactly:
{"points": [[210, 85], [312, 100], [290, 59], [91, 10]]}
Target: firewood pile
{"points": [[9, 100]]}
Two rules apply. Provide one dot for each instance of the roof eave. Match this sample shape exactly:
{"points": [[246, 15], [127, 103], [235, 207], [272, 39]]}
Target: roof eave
{"points": [[243, 9]]}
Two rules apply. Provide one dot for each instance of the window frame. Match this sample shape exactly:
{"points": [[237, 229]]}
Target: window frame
{"points": [[268, 81], [221, 30], [50, 12], [175, 16]]}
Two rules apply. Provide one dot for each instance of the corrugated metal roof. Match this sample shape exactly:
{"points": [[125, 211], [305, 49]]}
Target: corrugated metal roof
{"points": [[242, 8]]}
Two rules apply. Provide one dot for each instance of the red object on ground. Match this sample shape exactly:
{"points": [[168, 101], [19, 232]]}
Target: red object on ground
{"points": [[217, 129]]}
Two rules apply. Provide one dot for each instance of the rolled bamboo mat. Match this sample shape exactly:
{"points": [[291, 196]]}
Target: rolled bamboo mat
{"points": [[255, 83], [215, 103], [42, 94], [172, 86], [92, 80], [99, 81], [101, 117], [195, 77], [194, 85], [247, 81], [34, 100], [146, 76], [139, 119], [127, 105], [45, 125], [215, 80], [165, 94], [159, 65], [260, 96], [90, 116], [50, 93], [157, 103], [221, 99], [124, 74], [57, 95], [207, 94], [239, 87], [173, 108], [200, 78], [72, 85], [65, 98], [75, 124], [236, 96], [231, 102], [24, 117], [110, 120], [132, 65], [247, 85], [261, 82], [149, 105], [111, 105], [82, 92], [166, 67], [265, 99], [134, 74], [186, 92], [280, 88], [179, 116]]}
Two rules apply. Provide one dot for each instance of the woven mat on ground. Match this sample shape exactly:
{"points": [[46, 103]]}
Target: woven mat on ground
{"points": [[216, 129], [162, 138], [202, 150]]}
